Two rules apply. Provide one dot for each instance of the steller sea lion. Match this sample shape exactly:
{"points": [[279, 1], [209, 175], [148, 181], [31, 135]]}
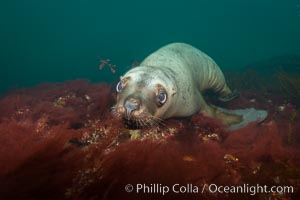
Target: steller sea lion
{"points": [[170, 83]]}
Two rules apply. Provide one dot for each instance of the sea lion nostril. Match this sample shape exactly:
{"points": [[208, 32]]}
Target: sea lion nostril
{"points": [[131, 105]]}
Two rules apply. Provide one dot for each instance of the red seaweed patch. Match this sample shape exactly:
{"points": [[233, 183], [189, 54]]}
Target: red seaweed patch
{"points": [[59, 141]]}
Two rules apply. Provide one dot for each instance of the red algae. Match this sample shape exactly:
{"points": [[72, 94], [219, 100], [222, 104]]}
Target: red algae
{"points": [[59, 141]]}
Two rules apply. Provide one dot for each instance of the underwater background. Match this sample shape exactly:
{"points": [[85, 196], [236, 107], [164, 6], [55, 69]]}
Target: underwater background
{"points": [[61, 60], [48, 41]]}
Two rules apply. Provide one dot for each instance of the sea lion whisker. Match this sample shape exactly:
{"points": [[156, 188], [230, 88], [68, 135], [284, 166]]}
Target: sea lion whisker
{"points": [[138, 122], [159, 121], [144, 123], [151, 122], [141, 123], [115, 111]]}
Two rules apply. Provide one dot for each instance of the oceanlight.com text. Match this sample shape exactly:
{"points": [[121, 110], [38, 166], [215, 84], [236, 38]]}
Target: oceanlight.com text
{"points": [[157, 188]]}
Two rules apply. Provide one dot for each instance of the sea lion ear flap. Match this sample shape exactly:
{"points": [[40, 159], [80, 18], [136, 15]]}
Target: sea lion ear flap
{"points": [[173, 91]]}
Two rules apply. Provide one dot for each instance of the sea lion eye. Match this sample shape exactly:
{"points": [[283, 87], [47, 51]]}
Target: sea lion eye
{"points": [[119, 87], [161, 98]]}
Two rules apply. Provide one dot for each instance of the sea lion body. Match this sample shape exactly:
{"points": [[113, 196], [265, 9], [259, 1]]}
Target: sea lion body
{"points": [[170, 83]]}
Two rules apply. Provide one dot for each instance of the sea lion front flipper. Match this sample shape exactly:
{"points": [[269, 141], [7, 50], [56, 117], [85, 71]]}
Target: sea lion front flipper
{"points": [[248, 115], [229, 97]]}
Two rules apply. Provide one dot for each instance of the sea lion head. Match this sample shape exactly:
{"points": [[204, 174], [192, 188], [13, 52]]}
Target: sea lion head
{"points": [[143, 97]]}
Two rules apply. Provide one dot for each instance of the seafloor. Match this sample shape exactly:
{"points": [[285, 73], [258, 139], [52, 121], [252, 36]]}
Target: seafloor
{"points": [[59, 141]]}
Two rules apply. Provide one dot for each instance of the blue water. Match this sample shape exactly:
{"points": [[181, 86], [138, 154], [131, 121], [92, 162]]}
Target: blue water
{"points": [[62, 40]]}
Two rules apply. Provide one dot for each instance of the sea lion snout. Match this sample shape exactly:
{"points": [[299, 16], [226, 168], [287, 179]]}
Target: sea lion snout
{"points": [[131, 105]]}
